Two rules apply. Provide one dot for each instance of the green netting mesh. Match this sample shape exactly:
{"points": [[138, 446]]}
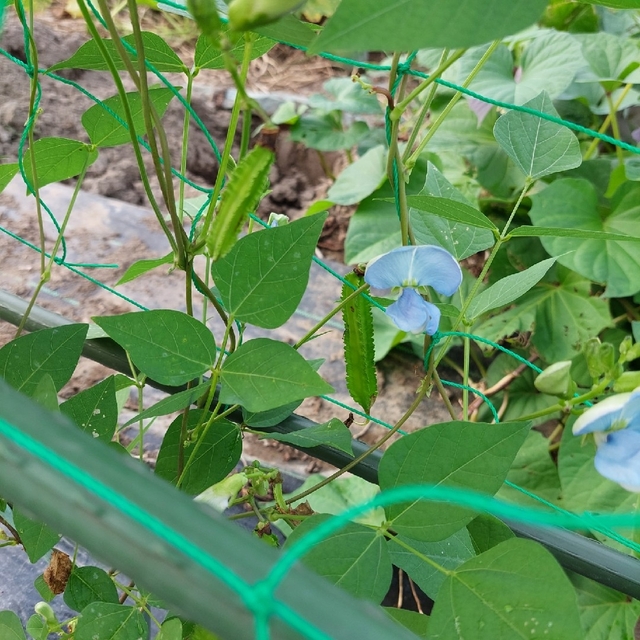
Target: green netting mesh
{"points": [[259, 597]]}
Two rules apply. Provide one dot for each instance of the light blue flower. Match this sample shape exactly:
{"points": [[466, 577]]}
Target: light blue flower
{"points": [[408, 271], [615, 424]]}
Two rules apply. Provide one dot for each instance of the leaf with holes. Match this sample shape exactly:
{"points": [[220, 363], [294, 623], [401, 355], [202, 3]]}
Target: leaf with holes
{"points": [[105, 130], [355, 558], [418, 24], [217, 454], [58, 159], [459, 454], [517, 589], [263, 374], [95, 410], [168, 346], [24, 361], [573, 203], [263, 278], [359, 355], [537, 146]]}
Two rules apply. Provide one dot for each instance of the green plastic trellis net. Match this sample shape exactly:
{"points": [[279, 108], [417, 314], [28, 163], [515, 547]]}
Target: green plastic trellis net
{"points": [[101, 500]]}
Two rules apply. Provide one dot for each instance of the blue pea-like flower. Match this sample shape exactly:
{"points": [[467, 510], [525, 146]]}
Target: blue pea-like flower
{"points": [[615, 424], [408, 271]]}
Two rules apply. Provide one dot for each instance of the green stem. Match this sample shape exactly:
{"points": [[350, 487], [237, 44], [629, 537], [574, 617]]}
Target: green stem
{"points": [[185, 143], [330, 315], [465, 380], [401, 106], [614, 127], [444, 395], [422, 391], [410, 163], [607, 121], [245, 132], [485, 269]]}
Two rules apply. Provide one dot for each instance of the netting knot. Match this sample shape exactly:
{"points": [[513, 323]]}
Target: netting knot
{"points": [[259, 599]]}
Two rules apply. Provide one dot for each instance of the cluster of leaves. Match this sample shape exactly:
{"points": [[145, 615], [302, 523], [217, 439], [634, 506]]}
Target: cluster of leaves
{"points": [[560, 230]]}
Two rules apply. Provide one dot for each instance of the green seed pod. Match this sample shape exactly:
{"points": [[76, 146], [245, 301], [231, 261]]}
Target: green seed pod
{"points": [[45, 611], [205, 14], [245, 15], [556, 380]]}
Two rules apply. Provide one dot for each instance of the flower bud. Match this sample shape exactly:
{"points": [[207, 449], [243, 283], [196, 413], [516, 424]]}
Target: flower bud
{"points": [[556, 380], [45, 611], [248, 14]]}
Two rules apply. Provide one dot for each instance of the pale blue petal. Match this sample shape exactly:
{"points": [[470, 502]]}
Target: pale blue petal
{"points": [[601, 416], [631, 411], [618, 458], [413, 314], [420, 266], [437, 268]]}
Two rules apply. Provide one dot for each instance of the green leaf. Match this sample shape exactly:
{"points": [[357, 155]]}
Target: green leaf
{"points": [[549, 63], [156, 51], [43, 589], [46, 394], [108, 621], [208, 56], [451, 210], [605, 614], [361, 178], [355, 558], [514, 588], [7, 171], [325, 132], [105, 131], [508, 289], [174, 402], [574, 203], [564, 316], [24, 361], [269, 418], [288, 30], [95, 410], [345, 95], [449, 553], [526, 231], [412, 620], [170, 630], [58, 159], [87, 585], [615, 4], [612, 59], [339, 495], [240, 197], [359, 355], [533, 470], [216, 456], [457, 238], [459, 454], [374, 228], [537, 146], [333, 434], [10, 626], [583, 488], [168, 346], [264, 276], [263, 374], [143, 266], [418, 24], [36, 537], [37, 628], [487, 531]]}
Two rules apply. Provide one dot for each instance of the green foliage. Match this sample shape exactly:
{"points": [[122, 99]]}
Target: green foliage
{"points": [[109, 621], [103, 128], [89, 584], [418, 24], [240, 197], [140, 267], [453, 210], [251, 275], [58, 159], [37, 538], [264, 374], [168, 346], [10, 626], [333, 434], [7, 171], [355, 558], [359, 356], [49, 352], [513, 588], [209, 56], [360, 179], [218, 450], [459, 454]]}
